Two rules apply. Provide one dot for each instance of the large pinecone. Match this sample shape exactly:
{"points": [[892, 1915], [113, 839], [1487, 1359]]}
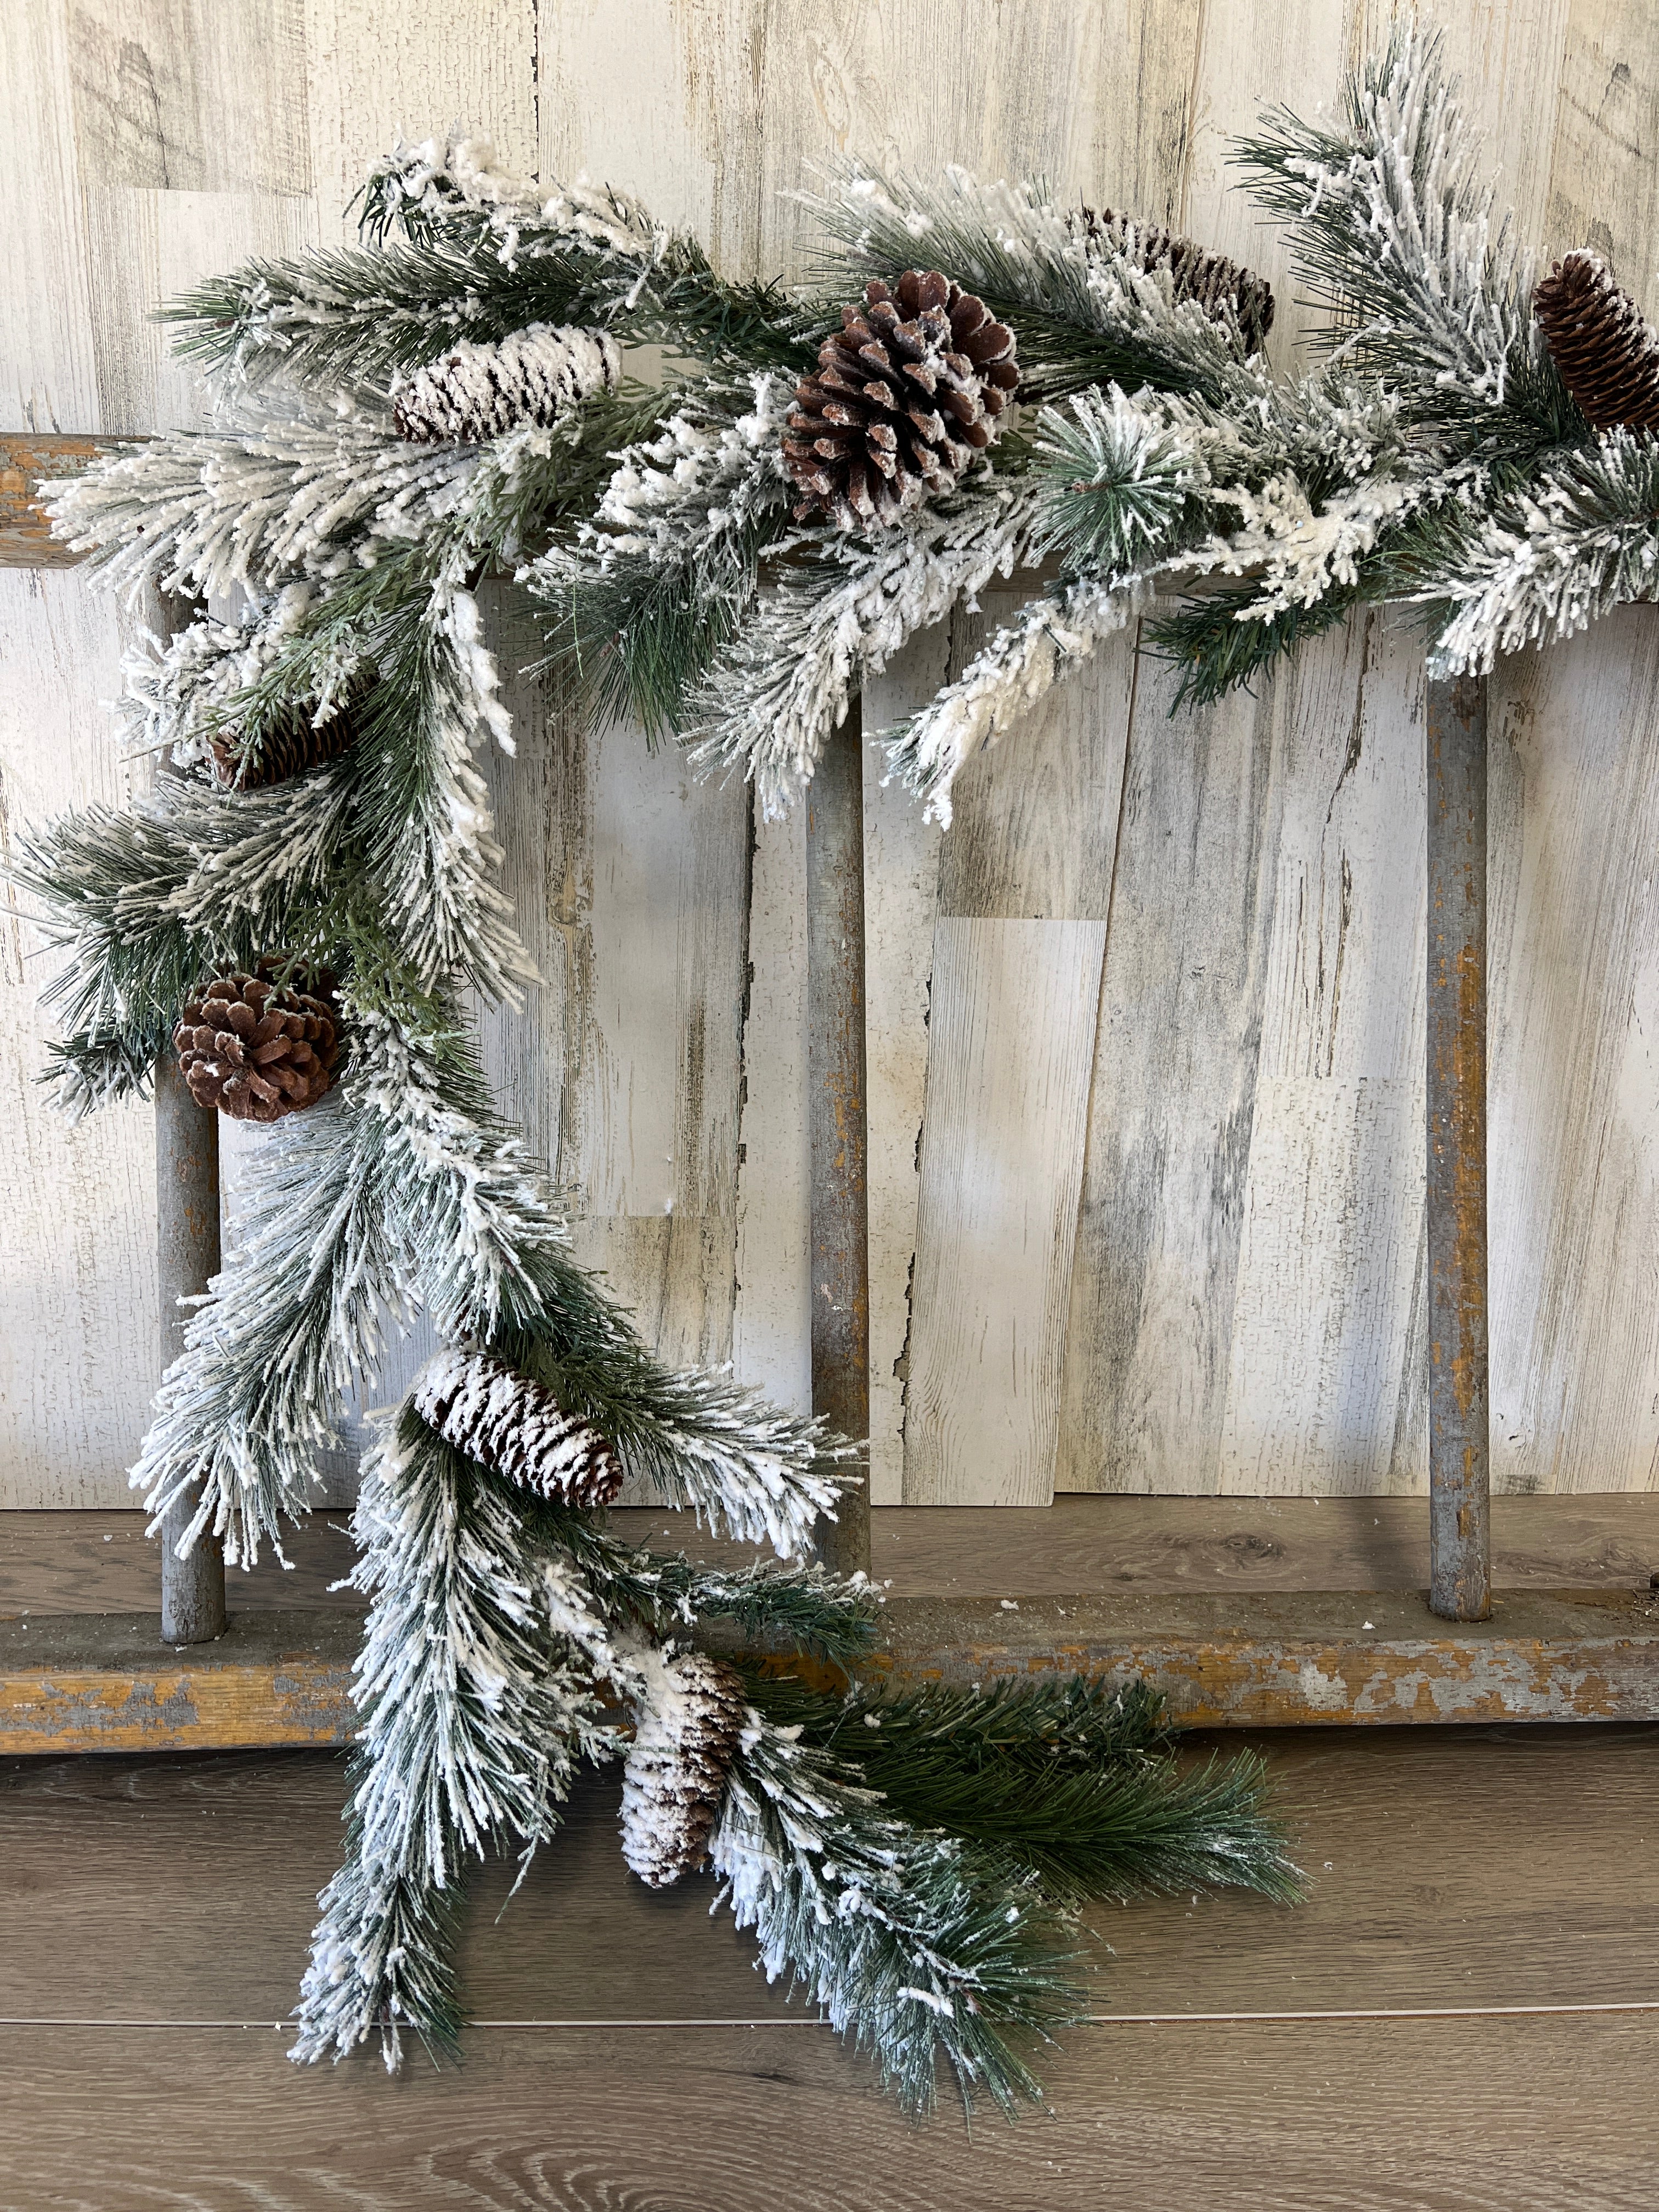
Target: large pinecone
{"points": [[907, 391], [480, 390], [255, 1048], [675, 1775], [515, 1424], [1211, 279], [290, 743], [1605, 347]]}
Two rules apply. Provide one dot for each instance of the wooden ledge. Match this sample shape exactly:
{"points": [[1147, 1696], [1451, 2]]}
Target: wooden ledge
{"points": [[1223, 1659]]}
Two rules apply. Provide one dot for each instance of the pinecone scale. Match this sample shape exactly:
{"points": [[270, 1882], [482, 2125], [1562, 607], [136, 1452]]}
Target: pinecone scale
{"points": [[254, 1048], [1606, 351], [513, 1424], [685, 1739], [907, 392]]}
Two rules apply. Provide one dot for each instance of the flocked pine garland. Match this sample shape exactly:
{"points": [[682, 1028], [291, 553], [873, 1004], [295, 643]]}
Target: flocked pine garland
{"points": [[975, 379]]}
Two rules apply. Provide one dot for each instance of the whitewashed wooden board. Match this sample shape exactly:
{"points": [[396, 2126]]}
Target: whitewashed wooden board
{"points": [[1241, 1291]]}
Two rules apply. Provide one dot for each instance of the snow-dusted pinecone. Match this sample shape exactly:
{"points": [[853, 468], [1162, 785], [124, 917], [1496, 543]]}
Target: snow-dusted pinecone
{"points": [[684, 1741], [907, 391], [255, 1048], [290, 745], [1210, 279], [480, 391], [517, 1426], [1605, 347]]}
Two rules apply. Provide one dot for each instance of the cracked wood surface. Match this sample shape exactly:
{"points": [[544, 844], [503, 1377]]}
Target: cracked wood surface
{"points": [[1241, 1285]]}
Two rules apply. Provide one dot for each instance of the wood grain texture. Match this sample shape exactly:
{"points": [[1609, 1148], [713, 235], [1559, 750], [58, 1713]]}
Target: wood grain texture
{"points": [[29, 462], [77, 1203], [901, 855], [1243, 1312], [56, 1563], [1444, 1869], [1453, 2115], [1012, 1036]]}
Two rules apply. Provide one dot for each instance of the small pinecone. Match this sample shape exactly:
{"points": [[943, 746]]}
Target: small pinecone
{"points": [[254, 1048], [675, 1772], [907, 391], [290, 745], [1210, 279], [480, 390], [517, 1426], [1605, 347]]}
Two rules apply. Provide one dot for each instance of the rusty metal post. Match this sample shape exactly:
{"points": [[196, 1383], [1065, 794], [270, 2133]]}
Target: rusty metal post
{"points": [[835, 1015], [1460, 1567], [187, 1248], [187, 1254]]}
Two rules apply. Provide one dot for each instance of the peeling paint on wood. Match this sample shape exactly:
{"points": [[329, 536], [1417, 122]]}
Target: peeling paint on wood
{"points": [[1223, 1659], [26, 462]]}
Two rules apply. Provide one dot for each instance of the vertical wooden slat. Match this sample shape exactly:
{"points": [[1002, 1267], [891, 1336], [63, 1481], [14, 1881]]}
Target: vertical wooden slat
{"points": [[835, 1114], [1460, 1576]]}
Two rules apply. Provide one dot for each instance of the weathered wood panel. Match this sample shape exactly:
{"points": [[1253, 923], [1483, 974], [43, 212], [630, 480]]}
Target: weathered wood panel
{"points": [[1012, 1038], [77, 1203], [1244, 1308]]}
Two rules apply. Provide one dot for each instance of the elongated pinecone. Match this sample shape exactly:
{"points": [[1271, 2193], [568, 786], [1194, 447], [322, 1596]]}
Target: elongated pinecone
{"points": [[1605, 347], [907, 391], [480, 391], [517, 1426], [254, 1048], [675, 1775], [290, 743], [1211, 279]]}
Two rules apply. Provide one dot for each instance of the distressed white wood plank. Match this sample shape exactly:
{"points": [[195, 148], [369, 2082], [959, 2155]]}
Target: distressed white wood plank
{"points": [[1573, 1063], [901, 895], [1012, 1034], [375, 74], [190, 95], [78, 1329], [772, 1322], [50, 375], [1094, 99], [1604, 176], [148, 247], [1173, 1094], [1327, 1373]]}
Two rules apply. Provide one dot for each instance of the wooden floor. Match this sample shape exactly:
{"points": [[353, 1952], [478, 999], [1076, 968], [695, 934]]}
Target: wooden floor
{"points": [[155, 1913], [102, 1561]]}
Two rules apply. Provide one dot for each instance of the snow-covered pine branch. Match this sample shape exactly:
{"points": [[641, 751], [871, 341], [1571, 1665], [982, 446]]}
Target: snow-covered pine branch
{"points": [[909, 1942], [473, 1729], [1390, 216], [1543, 565], [644, 592], [298, 491], [771, 700]]}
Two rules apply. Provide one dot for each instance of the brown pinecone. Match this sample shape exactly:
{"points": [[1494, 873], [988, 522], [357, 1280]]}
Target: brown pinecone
{"points": [[517, 1426], [289, 744], [907, 391], [675, 1775], [1605, 347], [254, 1048], [1210, 279]]}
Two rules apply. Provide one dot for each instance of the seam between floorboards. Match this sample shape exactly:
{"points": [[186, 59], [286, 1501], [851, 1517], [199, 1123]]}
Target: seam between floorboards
{"points": [[1089, 2019]]}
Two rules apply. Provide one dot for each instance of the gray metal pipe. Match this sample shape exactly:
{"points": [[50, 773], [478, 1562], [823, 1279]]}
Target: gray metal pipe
{"points": [[1459, 1558], [836, 1114]]}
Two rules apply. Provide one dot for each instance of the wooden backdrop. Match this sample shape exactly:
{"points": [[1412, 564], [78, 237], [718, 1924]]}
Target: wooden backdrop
{"points": [[1146, 1027]]}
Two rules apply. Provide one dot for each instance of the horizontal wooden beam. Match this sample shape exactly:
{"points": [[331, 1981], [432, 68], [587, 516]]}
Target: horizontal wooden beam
{"points": [[26, 460], [104, 1682]]}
